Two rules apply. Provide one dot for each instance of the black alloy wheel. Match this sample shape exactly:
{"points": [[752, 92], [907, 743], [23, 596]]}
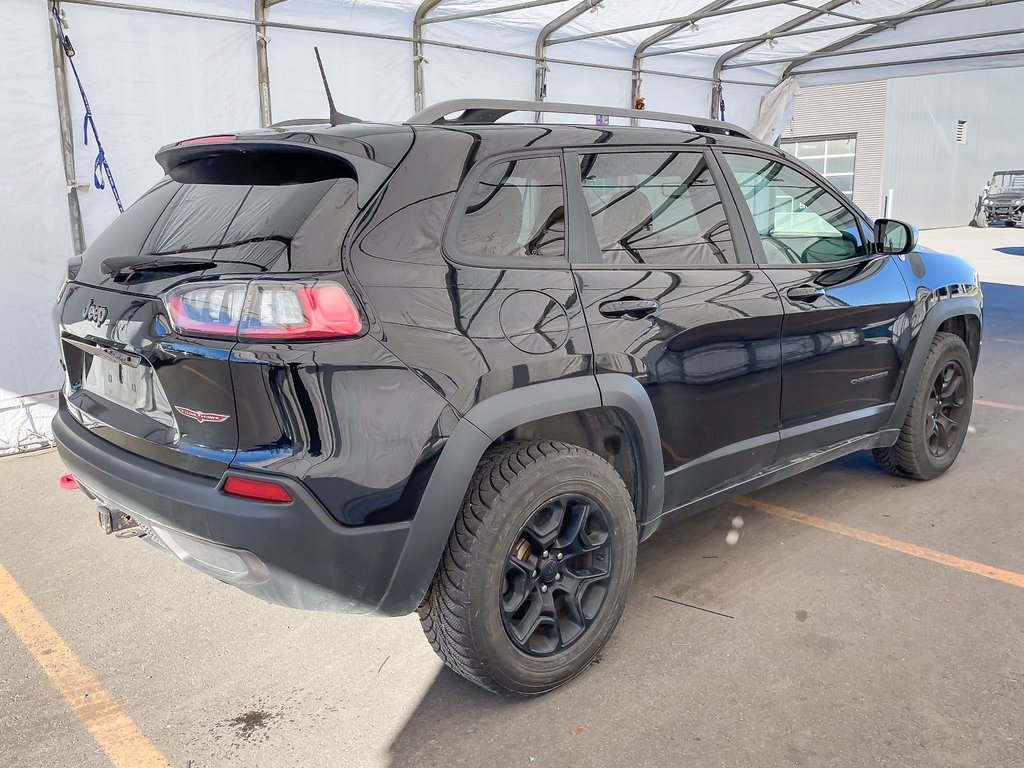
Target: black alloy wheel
{"points": [[945, 408], [556, 575], [537, 568], [935, 425]]}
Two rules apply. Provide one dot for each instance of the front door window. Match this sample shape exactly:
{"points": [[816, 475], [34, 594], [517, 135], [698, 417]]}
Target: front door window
{"points": [[797, 220]]}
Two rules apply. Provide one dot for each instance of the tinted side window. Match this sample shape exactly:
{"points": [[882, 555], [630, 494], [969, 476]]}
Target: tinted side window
{"points": [[516, 210], [797, 220], [658, 208]]}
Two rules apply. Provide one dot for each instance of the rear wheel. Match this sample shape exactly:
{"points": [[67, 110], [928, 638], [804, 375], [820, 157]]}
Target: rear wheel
{"points": [[936, 424], [536, 572]]}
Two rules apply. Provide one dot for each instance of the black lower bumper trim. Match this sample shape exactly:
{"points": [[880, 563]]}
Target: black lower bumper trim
{"points": [[290, 554]]}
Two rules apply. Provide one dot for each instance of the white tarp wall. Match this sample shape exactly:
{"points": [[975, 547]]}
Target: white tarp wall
{"points": [[150, 80], [34, 226], [154, 78]]}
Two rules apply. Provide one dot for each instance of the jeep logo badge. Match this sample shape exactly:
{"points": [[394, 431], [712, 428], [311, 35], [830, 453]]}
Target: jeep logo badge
{"points": [[94, 313]]}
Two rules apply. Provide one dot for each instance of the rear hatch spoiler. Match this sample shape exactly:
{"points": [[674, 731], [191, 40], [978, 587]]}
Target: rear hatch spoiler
{"points": [[226, 159]]}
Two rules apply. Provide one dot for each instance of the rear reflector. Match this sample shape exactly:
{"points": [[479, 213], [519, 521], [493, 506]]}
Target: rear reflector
{"points": [[257, 490]]}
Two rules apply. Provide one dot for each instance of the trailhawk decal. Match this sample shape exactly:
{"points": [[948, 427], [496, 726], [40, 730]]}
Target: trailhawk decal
{"points": [[201, 416], [871, 377]]}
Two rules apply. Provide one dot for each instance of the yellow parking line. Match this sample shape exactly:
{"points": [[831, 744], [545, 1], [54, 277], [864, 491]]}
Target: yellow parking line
{"points": [[994, 404], [968, 566], [108, 724]]}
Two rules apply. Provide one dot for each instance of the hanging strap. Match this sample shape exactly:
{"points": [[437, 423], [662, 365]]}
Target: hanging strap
{"points": [[88, 124]]}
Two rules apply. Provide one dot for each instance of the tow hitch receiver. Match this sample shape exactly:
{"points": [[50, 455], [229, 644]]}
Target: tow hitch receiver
{"points": [[117, 522]]}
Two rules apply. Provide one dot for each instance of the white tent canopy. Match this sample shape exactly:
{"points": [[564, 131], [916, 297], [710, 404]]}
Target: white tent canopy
{"points": [[156, 71]]}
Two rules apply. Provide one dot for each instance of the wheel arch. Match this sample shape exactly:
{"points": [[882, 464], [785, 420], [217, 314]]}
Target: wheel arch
{"points": [[968, 328], [952, 314], [486, 423]]}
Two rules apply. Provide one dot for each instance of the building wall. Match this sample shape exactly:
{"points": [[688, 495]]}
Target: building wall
{"points": [[858, 109], [936, 181]]}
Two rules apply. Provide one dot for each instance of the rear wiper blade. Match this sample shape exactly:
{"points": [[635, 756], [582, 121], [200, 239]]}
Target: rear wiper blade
{"points": [[123, 267]]}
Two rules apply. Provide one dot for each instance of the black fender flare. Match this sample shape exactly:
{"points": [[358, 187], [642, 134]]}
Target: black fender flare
{"points": [[943, 310], [482, 425]]}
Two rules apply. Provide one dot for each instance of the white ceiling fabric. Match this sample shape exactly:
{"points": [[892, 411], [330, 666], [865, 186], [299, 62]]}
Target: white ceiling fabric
{"points": [[708, 37]]}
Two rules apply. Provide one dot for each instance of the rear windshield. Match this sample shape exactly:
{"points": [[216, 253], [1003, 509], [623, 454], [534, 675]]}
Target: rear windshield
{"points": [[265, 226], [202, 216]]}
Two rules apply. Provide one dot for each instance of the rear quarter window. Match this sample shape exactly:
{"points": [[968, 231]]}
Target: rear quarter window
{"points": [[515, 212]]}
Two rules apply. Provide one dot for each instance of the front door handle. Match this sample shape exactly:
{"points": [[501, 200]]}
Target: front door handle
{"points": [[629, 308], [805, 293]]}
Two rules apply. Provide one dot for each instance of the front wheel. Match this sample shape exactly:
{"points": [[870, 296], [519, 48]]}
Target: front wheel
{"points": [[537, 569], [936, 424]]}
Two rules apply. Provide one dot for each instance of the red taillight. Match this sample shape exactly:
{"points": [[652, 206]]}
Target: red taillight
{"points": [[287, 311], [256, 490], [206, 140], [265, 310]]}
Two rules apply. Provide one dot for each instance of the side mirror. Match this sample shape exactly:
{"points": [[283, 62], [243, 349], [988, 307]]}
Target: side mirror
{"points": [[894, 237]]}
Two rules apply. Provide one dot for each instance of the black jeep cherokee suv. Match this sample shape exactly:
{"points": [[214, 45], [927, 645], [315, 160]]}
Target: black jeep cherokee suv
{"points": [[463, 366]]}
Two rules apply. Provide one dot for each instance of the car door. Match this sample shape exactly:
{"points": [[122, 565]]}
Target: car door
{"points": [[672, 297], [498, 309], [846, 307]]}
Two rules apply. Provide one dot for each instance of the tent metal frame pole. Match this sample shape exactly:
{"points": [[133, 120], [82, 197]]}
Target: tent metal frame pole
{"points": [[887, 21], [391, 38], [877, 48], [418, 58], [262, 62], [789, 26], [489, 11], [683, 20], [657, 37], [123, 6], [540, 83], [851, 39], [67, 140], [926, 60], [837, 14]]}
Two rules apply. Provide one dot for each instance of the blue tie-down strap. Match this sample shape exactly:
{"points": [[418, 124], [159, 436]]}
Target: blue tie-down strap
{"points": [[99, 180], [101, 156]]}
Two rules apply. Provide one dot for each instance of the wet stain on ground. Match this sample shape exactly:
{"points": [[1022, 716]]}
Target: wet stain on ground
{"points": [[260, 722], [802, 615], [251, 723]]}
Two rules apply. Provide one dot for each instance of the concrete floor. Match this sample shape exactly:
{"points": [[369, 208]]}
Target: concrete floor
{"points": [[829, 650]]}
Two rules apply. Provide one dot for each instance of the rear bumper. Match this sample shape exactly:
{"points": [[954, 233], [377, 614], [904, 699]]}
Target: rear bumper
{"points": [[291, 554]]}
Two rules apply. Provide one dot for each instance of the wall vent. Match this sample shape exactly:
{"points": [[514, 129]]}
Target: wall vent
{"points": [[961, 131]]}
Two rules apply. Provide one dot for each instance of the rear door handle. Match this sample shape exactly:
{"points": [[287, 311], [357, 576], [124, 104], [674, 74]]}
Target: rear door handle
{"points": [[805, 293], [629, 308]]}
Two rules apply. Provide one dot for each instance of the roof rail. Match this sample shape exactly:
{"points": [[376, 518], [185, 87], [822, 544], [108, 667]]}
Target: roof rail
{"points": [[477, 111]]}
